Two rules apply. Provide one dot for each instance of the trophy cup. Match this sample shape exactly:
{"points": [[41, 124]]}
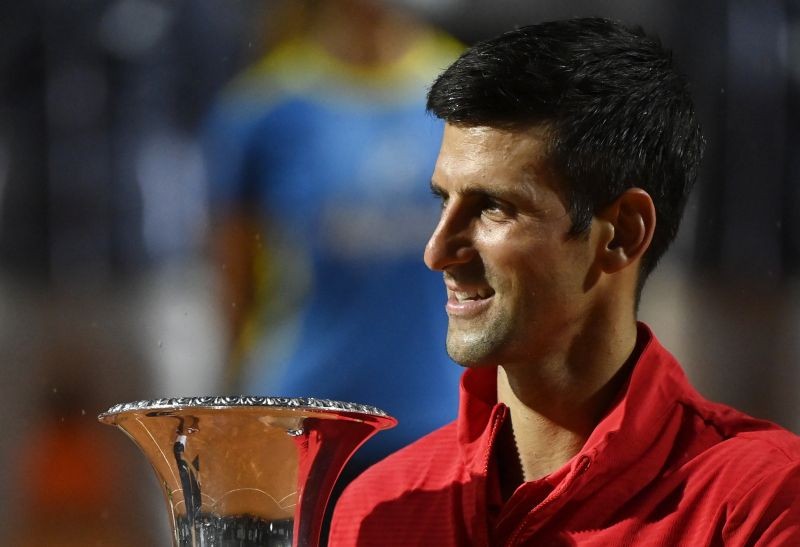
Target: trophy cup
{"points": [[247, 471]]}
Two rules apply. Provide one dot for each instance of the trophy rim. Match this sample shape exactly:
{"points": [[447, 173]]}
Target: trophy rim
{"points": [[244, 401]]}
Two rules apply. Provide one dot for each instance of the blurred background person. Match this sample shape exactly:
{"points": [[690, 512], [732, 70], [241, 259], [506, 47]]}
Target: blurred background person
{"points": [[319, 159]]}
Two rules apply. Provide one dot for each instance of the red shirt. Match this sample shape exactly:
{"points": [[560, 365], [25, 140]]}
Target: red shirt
{"points": [[663, 467]]}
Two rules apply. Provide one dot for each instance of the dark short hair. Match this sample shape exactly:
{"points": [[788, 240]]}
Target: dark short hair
{"points": [[618, 114]]}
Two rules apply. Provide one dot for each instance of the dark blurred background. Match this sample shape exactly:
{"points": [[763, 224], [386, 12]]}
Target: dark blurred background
{"points": [[110, 271]]}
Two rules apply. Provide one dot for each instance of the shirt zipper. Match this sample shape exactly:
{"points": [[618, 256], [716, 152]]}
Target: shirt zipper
{"points": [[498, 419], [583, 466]]}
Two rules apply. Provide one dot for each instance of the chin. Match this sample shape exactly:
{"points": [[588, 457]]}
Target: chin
{"points": [[477, 347], [470, 355]]}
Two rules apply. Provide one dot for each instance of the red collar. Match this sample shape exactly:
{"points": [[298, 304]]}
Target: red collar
{"points": [[478, 413], [655, 385]]}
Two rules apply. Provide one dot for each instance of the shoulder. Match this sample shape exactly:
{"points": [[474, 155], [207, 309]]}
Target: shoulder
{"points": [[749, 441], [758, 458], [773, 443], [756, 468], [429, 464], [740, 445], [427, 461], [765, 509]]}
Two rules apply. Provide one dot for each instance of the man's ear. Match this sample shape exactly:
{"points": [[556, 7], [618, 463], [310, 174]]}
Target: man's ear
{"points": [[627, 229]]}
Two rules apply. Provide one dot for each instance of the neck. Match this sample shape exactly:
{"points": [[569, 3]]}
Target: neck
{"points": [[556, 402]]}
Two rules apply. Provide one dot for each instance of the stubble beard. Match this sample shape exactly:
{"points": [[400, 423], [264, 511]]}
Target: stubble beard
{"points": [[480, 344]]}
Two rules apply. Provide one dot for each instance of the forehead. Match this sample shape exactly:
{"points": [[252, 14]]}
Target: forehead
{"points": [[491, 155]]}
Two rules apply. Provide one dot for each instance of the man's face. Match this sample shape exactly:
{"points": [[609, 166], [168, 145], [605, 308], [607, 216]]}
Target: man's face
{"points": [[515, 278]]}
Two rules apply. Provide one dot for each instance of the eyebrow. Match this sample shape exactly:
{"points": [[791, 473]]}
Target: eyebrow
{"points": [[508, 195]]}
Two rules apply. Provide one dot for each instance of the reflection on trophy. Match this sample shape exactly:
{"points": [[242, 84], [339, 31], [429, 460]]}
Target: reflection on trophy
{"points": [[247, 471]]}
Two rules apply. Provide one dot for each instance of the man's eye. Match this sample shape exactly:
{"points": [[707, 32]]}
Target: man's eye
{"points": [[440, 198], [494, 207]]}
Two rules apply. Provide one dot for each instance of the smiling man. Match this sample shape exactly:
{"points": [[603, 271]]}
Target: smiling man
{"points": [[568, 154]]}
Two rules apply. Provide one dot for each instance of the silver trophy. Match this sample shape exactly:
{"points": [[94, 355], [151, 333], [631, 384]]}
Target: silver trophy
{"points": [[247, 471]]}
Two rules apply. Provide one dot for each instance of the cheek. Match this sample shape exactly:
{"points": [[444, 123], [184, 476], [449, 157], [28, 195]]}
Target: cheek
{"points": [[525, 273], [498, 244], [547, 274], [575, 272]]}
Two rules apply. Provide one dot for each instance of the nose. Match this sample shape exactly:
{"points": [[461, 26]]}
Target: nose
{"points": [[451, 242]]}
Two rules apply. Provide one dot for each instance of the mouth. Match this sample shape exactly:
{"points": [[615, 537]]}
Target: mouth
{"points": [[466, 302], [465, 296]]}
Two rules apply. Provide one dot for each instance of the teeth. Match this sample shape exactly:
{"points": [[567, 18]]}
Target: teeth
{"points": [[463, 296]]}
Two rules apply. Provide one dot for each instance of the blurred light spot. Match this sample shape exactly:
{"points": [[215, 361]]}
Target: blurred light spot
{"points": [[169, 170], [131, 27]]}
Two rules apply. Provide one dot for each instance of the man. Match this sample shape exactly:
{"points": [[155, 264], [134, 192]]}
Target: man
{"points": [[568, 154]]}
